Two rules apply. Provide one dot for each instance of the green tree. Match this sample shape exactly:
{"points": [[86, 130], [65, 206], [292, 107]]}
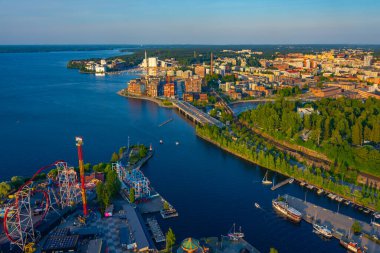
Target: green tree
{"points": [[166, 205], [17, 181], [87, 167], [103, 196], [53, 173], [356, 227], [112, 183], [132, 195], [115, 157], [121, 151], [273, 250], [4, 189], [170, 240], [357, 136]]}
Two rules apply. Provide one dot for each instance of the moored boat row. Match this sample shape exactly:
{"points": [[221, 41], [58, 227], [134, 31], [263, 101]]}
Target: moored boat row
{"points": [[339, 199]]}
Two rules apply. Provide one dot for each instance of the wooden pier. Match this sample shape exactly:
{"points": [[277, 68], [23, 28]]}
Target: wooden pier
{"points": [[339, 224], [165, 122], [156, 230], [281, 184]]}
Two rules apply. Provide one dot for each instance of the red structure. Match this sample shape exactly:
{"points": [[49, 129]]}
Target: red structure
{"points": [[79, 143], [18, 221]]}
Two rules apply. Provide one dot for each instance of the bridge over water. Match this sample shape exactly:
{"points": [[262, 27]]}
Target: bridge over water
{"points": [[195, 114]]}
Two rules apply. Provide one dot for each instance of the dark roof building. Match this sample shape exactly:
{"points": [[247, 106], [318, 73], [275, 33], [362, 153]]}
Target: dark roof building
{"points": [[138, 229], [61, 244]]}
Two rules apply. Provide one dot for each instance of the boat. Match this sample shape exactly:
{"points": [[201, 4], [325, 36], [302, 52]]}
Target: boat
{"points": [[310, 187], [320, 191], [265, 179], [322, 230], [331, 196], [169, 213], [339, 199], [284, 208], [234, 235], [366, 211], [291, 180], [347, 202], [177, 143], [257, 205], [377, 215], [350, 246], [161, 141], [302, 184], [100, 74], [374, 223]]}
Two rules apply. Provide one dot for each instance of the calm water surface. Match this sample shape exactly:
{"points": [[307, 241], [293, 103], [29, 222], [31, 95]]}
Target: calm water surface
{"points": [[43, 106]]}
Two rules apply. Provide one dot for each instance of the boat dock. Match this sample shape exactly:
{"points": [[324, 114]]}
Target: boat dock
{"points": [[156, 230], [165, 122], [286, 181], [339, 224]]}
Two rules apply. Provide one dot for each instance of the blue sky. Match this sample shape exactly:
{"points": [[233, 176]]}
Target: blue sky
{"points": [[189, 21]]}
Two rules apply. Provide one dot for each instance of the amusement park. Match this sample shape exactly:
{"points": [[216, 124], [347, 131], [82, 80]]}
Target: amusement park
{"points": [[111, 208], [39, 205]]}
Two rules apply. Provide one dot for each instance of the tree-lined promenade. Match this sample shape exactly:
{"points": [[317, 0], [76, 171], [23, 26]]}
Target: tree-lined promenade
{"points": [[336, 140]]}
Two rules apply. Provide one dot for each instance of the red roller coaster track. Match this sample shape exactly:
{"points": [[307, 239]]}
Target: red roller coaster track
{"points": [[22, 196]]}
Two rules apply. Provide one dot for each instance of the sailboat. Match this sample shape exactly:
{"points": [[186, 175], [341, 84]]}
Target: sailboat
{"points": [[265, 179], [234, 235]]}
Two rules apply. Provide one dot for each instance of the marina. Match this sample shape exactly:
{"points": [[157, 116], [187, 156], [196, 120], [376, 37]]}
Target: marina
{"points": [[158, 235], [339, 224]]}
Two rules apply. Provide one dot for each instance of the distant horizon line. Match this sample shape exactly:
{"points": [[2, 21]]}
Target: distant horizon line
{"points": [[196, 44]]}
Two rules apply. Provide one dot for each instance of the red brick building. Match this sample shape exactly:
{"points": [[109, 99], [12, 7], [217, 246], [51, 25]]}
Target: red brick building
{"points": [[169, 90]]}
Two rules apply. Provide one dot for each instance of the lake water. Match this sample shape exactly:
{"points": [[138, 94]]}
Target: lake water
{"points": [[43, 106]]}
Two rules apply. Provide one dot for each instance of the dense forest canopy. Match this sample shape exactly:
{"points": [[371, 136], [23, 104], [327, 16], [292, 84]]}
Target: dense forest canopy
{"points": [[346, 130]]}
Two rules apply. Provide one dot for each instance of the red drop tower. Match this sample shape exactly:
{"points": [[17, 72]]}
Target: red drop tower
{"points": [[79, 143]]}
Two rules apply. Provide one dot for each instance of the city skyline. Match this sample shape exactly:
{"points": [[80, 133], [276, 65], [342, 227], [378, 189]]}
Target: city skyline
{"points": [[190, 22]]}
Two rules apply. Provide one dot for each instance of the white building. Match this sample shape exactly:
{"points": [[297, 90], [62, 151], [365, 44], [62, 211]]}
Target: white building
{"points": [[100, 68], [367, 60]]}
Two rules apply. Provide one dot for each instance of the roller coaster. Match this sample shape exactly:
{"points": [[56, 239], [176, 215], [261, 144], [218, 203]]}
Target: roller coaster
{"points": [[35, 199]]}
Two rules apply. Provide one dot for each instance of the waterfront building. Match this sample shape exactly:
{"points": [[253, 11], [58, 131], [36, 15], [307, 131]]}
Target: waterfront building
{"points": [[136, 87], [152, 87], [193, 85], [169, 90], [180, 86], [100, 68]]}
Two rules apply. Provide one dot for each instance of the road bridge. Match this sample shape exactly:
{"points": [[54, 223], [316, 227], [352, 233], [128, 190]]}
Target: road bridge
{"points": [[195, 114]]}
